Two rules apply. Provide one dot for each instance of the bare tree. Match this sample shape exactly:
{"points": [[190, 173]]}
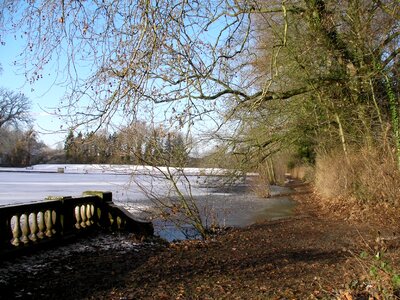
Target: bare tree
{"points": [[174, 202], [14, 108], [139, 50]]}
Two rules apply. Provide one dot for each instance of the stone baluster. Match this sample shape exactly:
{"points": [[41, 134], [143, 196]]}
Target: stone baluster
{"points": [[24, 224], [92, 210], [41, 224], [111, 218], [98, 211], [49, 223], [54, 220], [33, 226], [88, 215], [15, 231], [77, 217], [83, 215], [119, 222]]}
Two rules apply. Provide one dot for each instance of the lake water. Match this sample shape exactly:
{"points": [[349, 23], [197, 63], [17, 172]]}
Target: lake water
{"points": [[230, 205]]}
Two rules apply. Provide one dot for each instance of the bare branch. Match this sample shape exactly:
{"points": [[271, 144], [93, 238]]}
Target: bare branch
{"points": [[14, 108]]}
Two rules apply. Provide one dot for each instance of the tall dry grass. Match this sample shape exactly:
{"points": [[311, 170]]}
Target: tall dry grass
{"points": [[368, 175], [303, 172]]}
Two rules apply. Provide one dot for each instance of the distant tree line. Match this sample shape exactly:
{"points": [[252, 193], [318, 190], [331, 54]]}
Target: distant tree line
{"points": [[136, 144]]}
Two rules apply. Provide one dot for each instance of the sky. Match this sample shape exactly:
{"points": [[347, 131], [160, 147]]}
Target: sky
{"points": [[43, 94]]}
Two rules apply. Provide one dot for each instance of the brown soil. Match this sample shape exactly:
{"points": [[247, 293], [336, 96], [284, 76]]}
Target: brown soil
{"points": [[313, 255]]}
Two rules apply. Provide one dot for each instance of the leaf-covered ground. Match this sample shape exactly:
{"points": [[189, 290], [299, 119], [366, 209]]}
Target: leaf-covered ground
{"points": [[312, 255]]}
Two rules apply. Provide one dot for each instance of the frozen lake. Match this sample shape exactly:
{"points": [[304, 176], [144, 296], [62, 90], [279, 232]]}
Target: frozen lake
{"points": [[228, 205], [23, 185], [20, 187]]}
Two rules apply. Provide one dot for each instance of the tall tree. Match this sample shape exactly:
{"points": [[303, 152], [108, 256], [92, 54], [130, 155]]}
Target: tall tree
{"points": [[14, 108], [187, 51], [334, 52]]}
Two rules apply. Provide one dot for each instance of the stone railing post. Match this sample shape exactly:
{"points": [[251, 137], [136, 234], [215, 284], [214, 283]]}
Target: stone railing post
{"points": [[101, 212]]}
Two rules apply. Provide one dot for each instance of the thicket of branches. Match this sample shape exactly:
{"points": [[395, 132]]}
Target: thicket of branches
{"points": [[337, 62]]}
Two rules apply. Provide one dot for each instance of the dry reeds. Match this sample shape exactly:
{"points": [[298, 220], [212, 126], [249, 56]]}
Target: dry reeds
{"points": [[368, 175]]}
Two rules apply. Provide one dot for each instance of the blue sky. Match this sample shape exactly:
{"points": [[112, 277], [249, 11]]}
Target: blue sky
{"points": [[44, 94]]}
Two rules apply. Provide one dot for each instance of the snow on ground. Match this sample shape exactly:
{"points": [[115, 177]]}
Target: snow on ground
{"points": [[32, 264], [114, 169]]}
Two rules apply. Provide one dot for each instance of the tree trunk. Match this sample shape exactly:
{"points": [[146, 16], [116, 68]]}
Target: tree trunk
{"points": [[394, 116], [342, 138]]}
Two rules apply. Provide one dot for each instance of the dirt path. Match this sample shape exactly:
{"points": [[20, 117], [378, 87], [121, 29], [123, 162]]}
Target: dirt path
{"points": [[312, 255]]}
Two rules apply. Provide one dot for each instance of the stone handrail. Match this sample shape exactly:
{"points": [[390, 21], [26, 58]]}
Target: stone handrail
{"points": [[24, 227]]}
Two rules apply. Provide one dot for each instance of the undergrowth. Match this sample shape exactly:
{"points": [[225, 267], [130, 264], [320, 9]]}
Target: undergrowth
{"points": [[380, 279], [369, 176]]}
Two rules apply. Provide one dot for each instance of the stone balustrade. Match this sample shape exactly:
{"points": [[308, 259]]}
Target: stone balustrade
{"points": [[24, 227]]}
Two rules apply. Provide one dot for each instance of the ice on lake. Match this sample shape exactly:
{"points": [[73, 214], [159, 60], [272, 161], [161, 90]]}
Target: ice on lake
{"points": [[230, 205]]}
